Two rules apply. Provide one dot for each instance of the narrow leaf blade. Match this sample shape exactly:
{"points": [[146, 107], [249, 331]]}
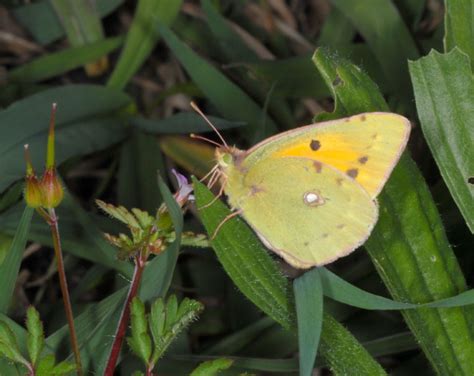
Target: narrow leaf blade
{"points": [[309, 309], [444, 92]]}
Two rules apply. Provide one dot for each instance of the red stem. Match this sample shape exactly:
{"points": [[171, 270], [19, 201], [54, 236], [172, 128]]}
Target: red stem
{"points": [[53, 223], [124, 318]]}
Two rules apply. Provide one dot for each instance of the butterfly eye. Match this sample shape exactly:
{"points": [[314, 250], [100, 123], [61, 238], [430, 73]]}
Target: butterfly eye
{"points": [[313, 199]]}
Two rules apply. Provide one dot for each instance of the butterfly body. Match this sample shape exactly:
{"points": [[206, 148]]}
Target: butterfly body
{"points": [[309, 193]]}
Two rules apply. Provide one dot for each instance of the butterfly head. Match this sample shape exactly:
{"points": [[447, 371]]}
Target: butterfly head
{"points": [[228, 157]]}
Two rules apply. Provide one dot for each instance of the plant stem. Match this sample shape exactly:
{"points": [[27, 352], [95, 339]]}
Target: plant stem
{"points": [[53, 224], [148, 371], [124, 318]]}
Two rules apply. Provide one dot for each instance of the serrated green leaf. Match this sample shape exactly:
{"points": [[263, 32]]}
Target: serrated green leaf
{"points": [[170, 320], [119, 212], [171, 312], [157, 319], [141, 37], [9, 346], [63, 368], [444, 92], [309, 310], [11, 264], [46, 365], [458, 24], [35, 339], [140, 342], [212, 367]]}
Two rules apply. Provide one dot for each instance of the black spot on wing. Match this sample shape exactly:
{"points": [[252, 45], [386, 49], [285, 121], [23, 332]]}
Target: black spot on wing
{"points": [[471, 180], [314, 145], [363, 118], [364, 159], [318, 166], [352, 172]]}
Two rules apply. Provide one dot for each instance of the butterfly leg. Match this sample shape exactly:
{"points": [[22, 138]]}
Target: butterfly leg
{"points": [[231, 215], [219, 195], [210, 173]]}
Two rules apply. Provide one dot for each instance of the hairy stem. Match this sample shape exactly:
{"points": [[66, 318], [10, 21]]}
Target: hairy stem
{"points": [[53, 224], [124, 317]]}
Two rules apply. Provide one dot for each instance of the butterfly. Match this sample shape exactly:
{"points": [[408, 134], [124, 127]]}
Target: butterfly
{"points": [[310, 193]]}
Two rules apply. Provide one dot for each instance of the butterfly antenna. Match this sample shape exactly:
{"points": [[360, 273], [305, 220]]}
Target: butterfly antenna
{"points": [[192, 135], [196, 108]]}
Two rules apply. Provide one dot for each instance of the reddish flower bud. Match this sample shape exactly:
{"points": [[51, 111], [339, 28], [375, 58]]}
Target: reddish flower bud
{"points": [[53, 192], [33, 194]]}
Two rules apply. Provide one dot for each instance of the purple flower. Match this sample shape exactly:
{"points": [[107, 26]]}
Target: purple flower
{"points": [[184, 189]]}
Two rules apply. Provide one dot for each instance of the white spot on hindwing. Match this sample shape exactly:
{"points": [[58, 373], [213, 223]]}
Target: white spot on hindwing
{"points": [[313, 198]]}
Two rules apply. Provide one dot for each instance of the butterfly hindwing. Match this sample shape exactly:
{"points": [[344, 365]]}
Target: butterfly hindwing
{"points": [[365, 147], [306, 211]]}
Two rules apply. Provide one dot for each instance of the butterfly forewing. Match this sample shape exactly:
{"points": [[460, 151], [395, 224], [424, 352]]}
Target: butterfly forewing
{"points": [[365, 147]]}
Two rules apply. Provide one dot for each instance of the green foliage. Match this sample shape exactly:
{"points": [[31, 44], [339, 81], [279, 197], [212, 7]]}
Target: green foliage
{"points": [[212, 367], [257, 68], [40, 365], [444, 92], [153, 333]]}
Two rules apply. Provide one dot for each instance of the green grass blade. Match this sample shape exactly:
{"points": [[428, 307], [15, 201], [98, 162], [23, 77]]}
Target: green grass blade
{"points": [[411, 252], [309, 310], [458, 24], [337, 30], [380, 24], [444, 92], [344, 292], [11, 264], [142, 37], [55, 64], [227, 97], [83, 25], [40, 19], [89, 113]]}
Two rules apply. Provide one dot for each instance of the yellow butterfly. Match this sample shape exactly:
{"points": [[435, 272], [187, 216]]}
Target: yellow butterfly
{"points": [[310, 193]]}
